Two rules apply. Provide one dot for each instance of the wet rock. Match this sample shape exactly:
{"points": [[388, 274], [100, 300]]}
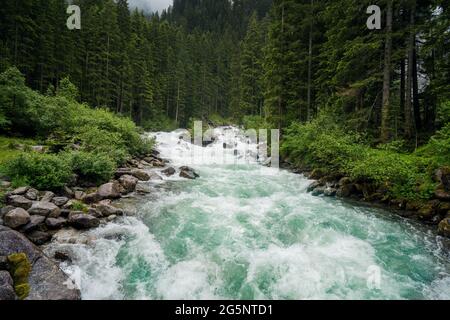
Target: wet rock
{"points": [[62, 256], [92, 198], [60, 201], [35, 223], [443, 177], [313, 186], [111, 218], [155, 177], [20, 202], [443, 209], [32, 194], [330, 192], [83, 221], [55, 223], [128, 182], [95, 213], [122, 171], [188, 173], [143, 188], [20, 191], [108, 210], [16, 218], [46, 209], [346, 190], [39, 238], [48, 196], [140, 174], [72, 236], [169, 171], [444, 228], [4, 264], [427, 212], [109, 190]]}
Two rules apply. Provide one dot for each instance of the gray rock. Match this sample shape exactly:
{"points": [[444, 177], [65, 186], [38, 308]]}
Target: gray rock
{"points": [[108, 210], [38, 149], [92, 198], [55, 223], [20, 201], [34, 224], [6, 287], [68, 192], [330, 192], [140, 174], [313, 186], [95, 213], [48, 196], [111, 218], [60, 201], [79, 195], [5, 210], [39, 238], [83, 221], [46, 209], [169, 171], [62, 256], [16, 218], [72, 236], [318, 191], [20, 191], [4, 265], [32, 194], [109, 190], [5, 184], [188, 173], [155, 177], [143, 188], [122, 171], [128, 182]]}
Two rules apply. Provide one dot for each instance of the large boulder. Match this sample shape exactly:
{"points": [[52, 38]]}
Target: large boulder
{"points": [[55, 223], [47, 280], [20, 191], [188, 173], [128, 182], [60, 201], [20, 201], [16, 218], [38, 237], [46, 209], [32, 194], [169, 171], [109, 190], [140, 174], [35, 223], [48, 196], [108, 210], [83, 221]]}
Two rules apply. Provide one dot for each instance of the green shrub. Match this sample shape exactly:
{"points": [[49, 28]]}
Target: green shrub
{"points": [[255, 122], [91, 167], [42, 171]]}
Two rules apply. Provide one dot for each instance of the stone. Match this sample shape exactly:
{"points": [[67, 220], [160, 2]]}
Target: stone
{"points": [[345, 181], [20, 201], [128, 182], [442, 195], [5, 184], [38, 149], [111, 218], [60, 201], [79, 195], [16, 218], [443, 209], [108, 210], [316, 174], [20, 191], [155, 177], [95, 213], [48, 196], [318, 191], [72, 236], [444, 228], [313, 186], [427, 212], [62, 256], [109, 190], [7, 292], [169, 171], [32, 194], [92, 198], [46, 209], [443, 177], [34, 224], [122, 171], [68, 192], [5, 210], [140, 174], [55, 223], [330, 192], [83, 221], [346, 190], [143, 188], [39, 238], [188, 173], [4, 264]]}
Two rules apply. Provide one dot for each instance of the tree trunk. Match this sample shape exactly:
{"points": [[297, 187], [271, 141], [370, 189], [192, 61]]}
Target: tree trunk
{"points": [[385, 111], [409, 80], [416, 103], [310, 52]]}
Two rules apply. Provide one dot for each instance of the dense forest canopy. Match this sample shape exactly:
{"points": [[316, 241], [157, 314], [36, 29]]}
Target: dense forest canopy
{"points": [[276, 63]]}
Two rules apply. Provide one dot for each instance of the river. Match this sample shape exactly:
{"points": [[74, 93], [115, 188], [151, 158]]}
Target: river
{"points": [[245, 231]]}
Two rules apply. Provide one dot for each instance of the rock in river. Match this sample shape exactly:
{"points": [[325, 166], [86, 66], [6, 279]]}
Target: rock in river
{"points": [[16, 218]]}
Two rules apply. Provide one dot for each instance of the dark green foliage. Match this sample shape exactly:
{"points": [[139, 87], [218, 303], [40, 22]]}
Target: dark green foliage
{"points": [[91, 167]]}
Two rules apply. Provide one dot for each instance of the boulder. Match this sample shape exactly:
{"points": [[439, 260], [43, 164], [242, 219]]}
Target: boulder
{"points": [[5, 210], [108, 210], [35, 223], [346, 190], [39, 238], [92, 198], [46, 209], [428, 211], [319, 191], [313, 186], [169, 171], [140, 174], [109, 190], [67, 192], [48, 196], [155, 177], [32, 194], [79, 195], [5, 184], [442, 195], [444, 228], [20, 201], [7, 292], [123, 171], [72, 236], [345, 181], [188, 173], [20, 191], [60, 201], [62, 256], [143, 188], [83, 221], [111, 218], [128, 182], [4, 264], [95, 213], [16, 218], [330, 192], [55, 223], [443, 177]]}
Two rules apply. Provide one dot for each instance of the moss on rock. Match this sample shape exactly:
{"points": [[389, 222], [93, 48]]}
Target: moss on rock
{"points": [[20, 269]]}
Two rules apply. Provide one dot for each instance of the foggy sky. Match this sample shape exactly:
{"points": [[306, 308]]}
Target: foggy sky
{"points": [[150, 5]]}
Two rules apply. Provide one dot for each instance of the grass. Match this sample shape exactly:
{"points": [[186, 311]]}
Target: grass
{"points": [[7, 150]]}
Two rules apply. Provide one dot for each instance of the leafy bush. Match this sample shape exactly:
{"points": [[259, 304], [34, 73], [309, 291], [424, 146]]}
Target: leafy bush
{"points": [[43, 171], [255, 122], [91, 167], [160, 123]]}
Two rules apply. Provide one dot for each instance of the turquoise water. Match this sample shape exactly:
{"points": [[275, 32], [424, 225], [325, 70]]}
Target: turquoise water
{"points": [[250, 232]]}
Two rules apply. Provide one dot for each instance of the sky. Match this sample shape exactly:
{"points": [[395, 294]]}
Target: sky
{"points": [[150, 5]]}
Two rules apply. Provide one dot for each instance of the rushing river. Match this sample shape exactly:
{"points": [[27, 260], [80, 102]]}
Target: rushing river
{"points": [[245, 231]]}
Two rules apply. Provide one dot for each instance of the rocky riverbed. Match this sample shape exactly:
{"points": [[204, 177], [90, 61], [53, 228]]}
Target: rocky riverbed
{"points": [[33, 218]]}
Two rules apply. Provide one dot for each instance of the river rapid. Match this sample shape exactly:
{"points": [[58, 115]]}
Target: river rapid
{"points": [[246, 231]]}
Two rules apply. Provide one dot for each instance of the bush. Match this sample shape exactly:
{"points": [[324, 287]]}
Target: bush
{"points": [[91, 167], [42, 171]]}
